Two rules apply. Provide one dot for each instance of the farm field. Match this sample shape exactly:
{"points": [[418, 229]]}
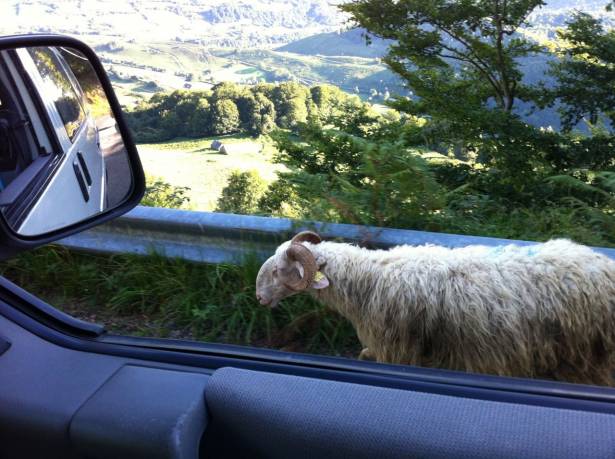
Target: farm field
{"points": [[194, 164]]}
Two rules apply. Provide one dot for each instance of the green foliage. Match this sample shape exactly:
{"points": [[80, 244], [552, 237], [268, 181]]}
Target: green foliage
{"points": [[200, 119], [231, 108], [468, 48], [156, 296], [159, 193], [229, 90], [257, 114], [224, 117], [462, 61], [480, 215], [585, 75], [280, 200], [343, 177], [242, 193], [330, 101], [293, 102]]}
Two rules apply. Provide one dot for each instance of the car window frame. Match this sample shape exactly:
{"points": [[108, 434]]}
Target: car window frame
{"points": [[49, 105], [57, 327]]}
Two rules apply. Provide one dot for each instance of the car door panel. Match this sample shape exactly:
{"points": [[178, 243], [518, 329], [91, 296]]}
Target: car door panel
{"points": [[279, 416], [143, 412], [51, 398]]}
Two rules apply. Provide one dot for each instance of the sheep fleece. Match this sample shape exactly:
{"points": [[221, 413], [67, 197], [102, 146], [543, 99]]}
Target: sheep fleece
{"points": [[543, 311]]}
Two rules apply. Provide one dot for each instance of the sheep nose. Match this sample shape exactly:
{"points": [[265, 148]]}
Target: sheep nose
{"points": [[261, 299]]}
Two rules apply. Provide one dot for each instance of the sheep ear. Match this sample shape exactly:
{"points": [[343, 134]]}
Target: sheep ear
{"points": [[320, 281]]}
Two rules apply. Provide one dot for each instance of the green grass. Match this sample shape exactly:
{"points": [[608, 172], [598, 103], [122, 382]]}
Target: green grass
{"points": [[192, 163], [156, 296]]}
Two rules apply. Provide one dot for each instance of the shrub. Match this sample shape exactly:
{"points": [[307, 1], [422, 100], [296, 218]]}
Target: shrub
{"points": [[159, 193], [224, 117], [280, 200], [341, 177], [242, 193]]}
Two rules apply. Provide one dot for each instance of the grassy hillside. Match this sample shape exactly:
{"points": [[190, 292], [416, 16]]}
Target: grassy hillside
{"points": [[349, 73], [193, 164], [347, 43], [139, 70]]}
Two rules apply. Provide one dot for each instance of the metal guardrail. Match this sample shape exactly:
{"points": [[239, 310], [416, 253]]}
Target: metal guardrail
{"points": [[215, 238]]}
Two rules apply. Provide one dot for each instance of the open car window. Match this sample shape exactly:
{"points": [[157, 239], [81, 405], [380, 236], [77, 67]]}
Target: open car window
{"points": [[59, 88], [368, 126]]}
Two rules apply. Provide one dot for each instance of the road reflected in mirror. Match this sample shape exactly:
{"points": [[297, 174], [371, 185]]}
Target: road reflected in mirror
{"points": [[62, 157]]}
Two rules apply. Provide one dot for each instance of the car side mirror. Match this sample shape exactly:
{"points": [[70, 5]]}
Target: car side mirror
{"points": [[67, 161]]}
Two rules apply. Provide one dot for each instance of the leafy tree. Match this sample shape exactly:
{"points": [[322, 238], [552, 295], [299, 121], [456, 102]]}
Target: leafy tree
{"points": [[228, 90], [291, 101], [200, 120], [585, 75], [280, 200], [242, 193], [169, 115], [257, 113], [461, 60], [171, 124], [224, 117], [246, 106], [466, 48], [328, 100]]}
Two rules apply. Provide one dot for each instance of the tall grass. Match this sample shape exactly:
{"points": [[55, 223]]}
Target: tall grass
{"points": [[175, 298]]}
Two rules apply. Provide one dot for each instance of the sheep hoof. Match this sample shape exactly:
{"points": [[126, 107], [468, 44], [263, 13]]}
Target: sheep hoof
{"points": [[366, 355]]}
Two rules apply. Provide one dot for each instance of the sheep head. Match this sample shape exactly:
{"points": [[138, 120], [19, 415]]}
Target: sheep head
{"points": [[292, 269]]}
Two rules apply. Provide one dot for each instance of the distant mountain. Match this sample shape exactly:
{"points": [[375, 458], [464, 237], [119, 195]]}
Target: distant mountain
{"points": [[543, 24], [226, 23], [291, 14], [556, 13], [218, 23], [348, 43]]}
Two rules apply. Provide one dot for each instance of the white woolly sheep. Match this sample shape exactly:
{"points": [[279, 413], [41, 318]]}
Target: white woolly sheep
{"points": [[544, 311]]}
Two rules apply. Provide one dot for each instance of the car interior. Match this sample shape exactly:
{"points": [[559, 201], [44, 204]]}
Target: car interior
{"points": [[13, 126], [70, 389]]}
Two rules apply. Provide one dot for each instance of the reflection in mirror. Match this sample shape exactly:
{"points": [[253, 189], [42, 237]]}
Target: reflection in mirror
{"points": [[62, 157]]}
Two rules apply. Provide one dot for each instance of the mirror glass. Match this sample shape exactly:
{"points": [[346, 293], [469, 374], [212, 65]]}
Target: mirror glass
{"points": [[62, 157]]}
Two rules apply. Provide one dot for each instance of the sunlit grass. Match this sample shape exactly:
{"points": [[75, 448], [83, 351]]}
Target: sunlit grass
{"points": [[192, 163], [156, 296]]}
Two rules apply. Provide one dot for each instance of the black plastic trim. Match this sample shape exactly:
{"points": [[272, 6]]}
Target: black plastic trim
{"points": [[84, 167], [82, 185], [450, 377], [37, 309]]}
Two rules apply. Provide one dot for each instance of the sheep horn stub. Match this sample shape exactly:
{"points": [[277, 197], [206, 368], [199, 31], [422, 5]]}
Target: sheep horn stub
{"points": [[302, 255]]}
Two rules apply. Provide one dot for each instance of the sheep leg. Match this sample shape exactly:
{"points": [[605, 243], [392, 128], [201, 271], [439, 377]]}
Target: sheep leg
{"points": [[366, 355]]}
